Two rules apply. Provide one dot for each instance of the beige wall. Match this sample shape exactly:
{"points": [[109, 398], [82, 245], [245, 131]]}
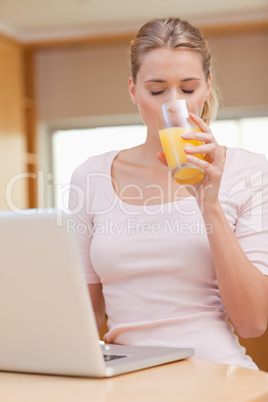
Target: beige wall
{"points": [[13, 189], [242, 66], [89, 81], [82, 81]]}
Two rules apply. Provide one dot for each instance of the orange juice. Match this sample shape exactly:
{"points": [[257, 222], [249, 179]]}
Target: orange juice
{"points": [[173, 145]]}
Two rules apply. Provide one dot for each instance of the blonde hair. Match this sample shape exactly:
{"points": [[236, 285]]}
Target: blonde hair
{"points": [[174, 33]]}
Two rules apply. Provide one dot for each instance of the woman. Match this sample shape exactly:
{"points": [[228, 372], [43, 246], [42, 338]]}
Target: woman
{"points": [[170, 264]]}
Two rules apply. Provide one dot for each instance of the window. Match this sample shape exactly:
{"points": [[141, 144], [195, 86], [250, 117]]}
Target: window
{"points": [[72, 147]]}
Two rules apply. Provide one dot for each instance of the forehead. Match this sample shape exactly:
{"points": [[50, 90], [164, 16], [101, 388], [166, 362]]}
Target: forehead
{"points": [[164, 62]]}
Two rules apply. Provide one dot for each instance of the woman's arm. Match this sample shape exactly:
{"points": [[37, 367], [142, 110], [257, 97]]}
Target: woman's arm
{"points": [[80, 222], [98, 303], [243, 287]]}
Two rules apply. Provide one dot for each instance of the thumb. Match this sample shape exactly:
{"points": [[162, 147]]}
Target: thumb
{"points": [[161, 157]]}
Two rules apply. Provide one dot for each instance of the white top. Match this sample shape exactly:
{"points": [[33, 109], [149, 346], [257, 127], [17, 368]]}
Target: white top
{"points": [[154, 262]]}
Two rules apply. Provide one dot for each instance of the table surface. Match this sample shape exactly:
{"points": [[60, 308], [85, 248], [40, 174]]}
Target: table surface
{"points": [[188, 380]]}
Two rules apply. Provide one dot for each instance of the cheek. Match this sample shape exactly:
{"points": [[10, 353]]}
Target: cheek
{"points": [[200, 97], [147, 113], [200, 107], [199, 101]]}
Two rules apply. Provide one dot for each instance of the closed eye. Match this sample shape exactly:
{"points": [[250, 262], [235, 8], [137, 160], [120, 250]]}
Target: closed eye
{"points": [[190, 91], [156, 93]]}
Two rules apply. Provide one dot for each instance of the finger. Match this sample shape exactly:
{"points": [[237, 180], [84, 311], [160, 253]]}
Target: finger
{"points": [[202, 164], [161, 157], [199, 136], [201, 124], [200, 149], [211, 171]]}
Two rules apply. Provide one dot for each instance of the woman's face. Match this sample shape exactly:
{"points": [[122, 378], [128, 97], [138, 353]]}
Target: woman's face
{"points": [[165, 75]]}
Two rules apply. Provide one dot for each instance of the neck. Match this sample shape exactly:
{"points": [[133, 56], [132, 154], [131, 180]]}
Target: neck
{"points": [[150, 148]]}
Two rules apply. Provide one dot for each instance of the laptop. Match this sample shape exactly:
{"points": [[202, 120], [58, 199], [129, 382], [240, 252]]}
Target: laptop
{"points": [[47, 323]]}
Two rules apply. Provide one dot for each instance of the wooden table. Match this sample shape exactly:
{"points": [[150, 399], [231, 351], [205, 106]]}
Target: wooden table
{"points": [[189, 380]]}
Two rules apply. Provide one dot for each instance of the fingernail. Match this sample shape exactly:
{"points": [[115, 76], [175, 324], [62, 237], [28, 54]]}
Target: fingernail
{"points": [[190, 157]]}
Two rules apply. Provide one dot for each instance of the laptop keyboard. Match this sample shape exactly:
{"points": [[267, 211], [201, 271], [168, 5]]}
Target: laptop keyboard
{"points": [[107, 358]]}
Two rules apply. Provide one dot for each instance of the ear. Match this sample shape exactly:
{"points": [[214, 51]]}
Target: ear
{"points": [[132, 91], [208, 88]]}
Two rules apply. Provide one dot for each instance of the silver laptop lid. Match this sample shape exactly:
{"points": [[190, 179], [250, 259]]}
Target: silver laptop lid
{"points": [[47, 322]]}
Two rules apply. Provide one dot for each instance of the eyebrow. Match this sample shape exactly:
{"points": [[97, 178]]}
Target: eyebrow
{"points": [[190, 79], [163, 81]]}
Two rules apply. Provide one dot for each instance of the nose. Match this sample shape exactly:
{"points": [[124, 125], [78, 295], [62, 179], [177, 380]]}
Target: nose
{"points": [[177, 107], [175, 95]]}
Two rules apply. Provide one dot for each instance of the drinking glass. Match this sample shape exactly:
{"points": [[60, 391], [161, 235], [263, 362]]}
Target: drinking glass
{"points": [[173, 120]]}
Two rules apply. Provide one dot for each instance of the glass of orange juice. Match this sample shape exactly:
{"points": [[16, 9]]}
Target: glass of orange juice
{"points": [[173, 120]]}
